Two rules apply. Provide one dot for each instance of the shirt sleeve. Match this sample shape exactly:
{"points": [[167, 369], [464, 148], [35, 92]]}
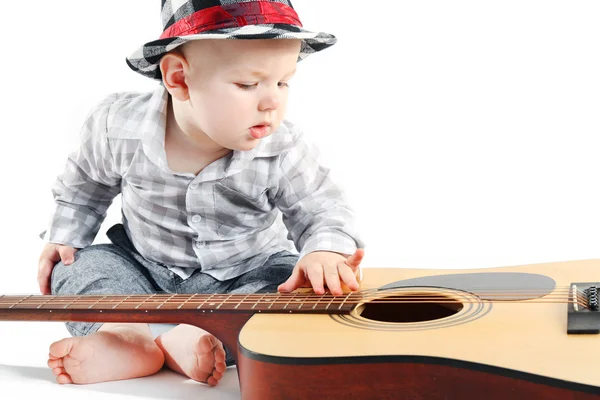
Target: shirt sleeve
{"points": [[313, 207], [87, 186]]}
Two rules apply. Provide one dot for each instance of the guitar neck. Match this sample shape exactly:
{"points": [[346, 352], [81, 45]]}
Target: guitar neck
{"points": [[163, 307]]}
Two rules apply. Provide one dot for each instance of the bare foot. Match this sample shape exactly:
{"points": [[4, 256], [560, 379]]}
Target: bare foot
{"points": [[119, 351], [193, 352]]}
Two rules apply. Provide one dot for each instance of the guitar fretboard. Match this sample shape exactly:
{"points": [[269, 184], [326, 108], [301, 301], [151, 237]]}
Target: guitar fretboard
{"points": [[275, 303]]}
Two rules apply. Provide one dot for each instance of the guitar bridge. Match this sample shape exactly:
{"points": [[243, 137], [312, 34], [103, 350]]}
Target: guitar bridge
{"points": [[583, 314]]}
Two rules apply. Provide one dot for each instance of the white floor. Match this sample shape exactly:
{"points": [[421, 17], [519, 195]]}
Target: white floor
{"points": [[24, 374]]}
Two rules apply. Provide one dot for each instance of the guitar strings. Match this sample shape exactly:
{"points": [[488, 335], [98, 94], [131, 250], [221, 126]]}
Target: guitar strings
{"points": [[507, 291], [215, 296], [379, 296]]}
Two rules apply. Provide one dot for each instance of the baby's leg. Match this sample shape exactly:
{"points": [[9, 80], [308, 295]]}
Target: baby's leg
{"points": [[103, 352], [206, 360]]}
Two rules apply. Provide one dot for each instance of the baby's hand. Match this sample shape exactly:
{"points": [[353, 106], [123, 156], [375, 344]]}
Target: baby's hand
{"points": [[51, 254], [319, 267]]}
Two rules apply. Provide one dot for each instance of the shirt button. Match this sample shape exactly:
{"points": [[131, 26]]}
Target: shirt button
{"points": [[196, 218], [199, 243], [194, 186]]}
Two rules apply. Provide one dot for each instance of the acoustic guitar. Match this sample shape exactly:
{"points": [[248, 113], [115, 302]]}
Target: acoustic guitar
{"points": [[527, 332]]}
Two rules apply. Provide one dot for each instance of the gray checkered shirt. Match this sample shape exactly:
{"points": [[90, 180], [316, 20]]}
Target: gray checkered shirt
{"points": [[225, 220]]}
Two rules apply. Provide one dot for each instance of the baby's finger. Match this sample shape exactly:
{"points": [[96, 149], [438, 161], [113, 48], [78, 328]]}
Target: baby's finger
{"points": [[348, 276], [355, 259], [67, 254], [49, 253], [44, 270], [293, 282], [315, 276], [332, 277]]}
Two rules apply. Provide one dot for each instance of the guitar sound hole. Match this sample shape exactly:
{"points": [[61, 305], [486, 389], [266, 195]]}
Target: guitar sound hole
{"points": [[414, 307]]}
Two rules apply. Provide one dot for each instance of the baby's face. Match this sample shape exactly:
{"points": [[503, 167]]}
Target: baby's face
{"points": [[238, 89]]}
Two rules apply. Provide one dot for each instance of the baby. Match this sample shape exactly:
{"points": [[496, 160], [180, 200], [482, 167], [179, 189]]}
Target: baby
{"points": [[205, 165]]}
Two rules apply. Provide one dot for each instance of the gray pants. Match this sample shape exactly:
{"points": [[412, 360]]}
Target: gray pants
{"points": [[118, 268]]}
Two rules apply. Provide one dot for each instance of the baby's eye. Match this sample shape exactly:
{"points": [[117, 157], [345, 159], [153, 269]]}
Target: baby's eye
{"points": [[245, 86], [283, 84]]}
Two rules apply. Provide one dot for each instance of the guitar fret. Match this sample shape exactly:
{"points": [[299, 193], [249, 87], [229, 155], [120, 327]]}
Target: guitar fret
{"points": [[241, 302], [148, 298], [163, 303], [224, 302], [301, 302], [188, 299], [67, 306], [205, 301], [219, 306], [344, 302], [41, 305], [259, 300], [20, 301], [328, 304], [275, 302], [288, 303], [321, 298], [92, 306], [122, 301]]}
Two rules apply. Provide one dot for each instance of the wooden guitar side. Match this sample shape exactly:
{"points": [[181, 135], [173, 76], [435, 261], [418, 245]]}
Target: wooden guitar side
{"points": [[397, 380]]}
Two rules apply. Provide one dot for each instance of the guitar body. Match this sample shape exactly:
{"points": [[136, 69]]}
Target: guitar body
{"points": [[503, 336]]}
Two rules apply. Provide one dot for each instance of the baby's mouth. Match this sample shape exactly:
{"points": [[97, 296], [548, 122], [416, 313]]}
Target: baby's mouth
{"points": [[259, 131]]}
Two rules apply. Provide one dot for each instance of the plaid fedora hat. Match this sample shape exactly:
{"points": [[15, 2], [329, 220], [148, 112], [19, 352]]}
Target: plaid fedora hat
{"points": [[185, 20]]}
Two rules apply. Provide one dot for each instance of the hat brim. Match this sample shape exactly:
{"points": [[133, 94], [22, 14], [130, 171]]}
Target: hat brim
{"points": [[146, 59]]}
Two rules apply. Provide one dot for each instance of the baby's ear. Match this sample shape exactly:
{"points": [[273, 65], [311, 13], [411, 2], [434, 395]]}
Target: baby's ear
{"points": [[172, 67]]}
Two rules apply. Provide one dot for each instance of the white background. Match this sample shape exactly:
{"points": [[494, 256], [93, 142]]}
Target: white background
{"points": [[464, 133]]}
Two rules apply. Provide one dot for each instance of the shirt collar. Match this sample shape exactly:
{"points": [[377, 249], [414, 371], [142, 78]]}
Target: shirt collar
{"points": [[153, 127]]}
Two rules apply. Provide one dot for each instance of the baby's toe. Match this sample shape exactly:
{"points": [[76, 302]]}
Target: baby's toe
{"points": [[64, 378], [212, 381], [55, 363], [220, 367], [217, 375], [61, 348], [206, 344]]}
